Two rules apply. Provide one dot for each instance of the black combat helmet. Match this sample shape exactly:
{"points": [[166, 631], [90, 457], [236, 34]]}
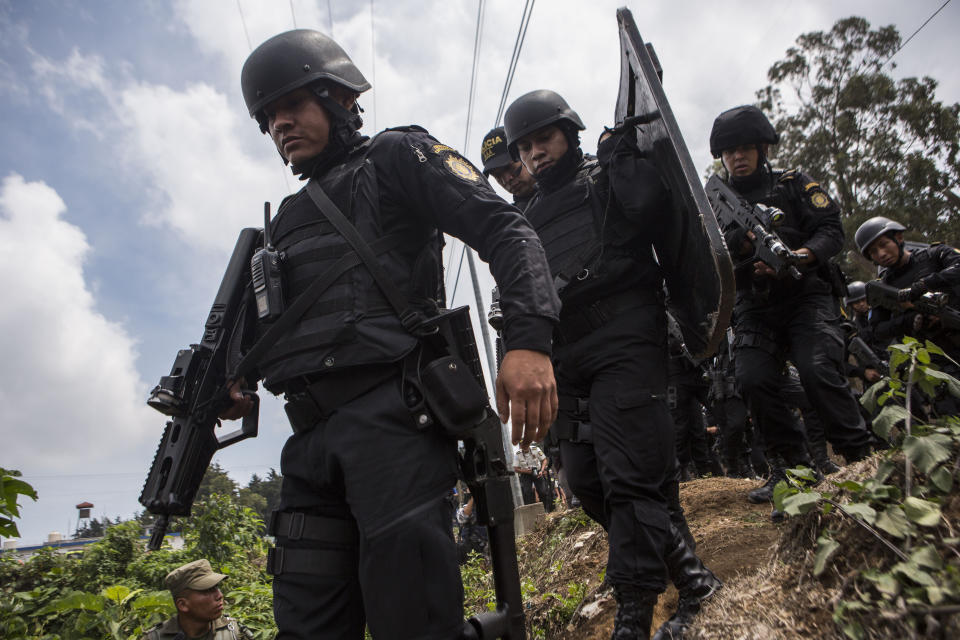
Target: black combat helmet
{"points": [[856, 291], [741, 125], [292, 60], [873, 229], [493, 150], [536, 110]]}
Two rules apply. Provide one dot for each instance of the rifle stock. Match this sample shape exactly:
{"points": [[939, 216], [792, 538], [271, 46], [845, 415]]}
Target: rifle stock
{"points": [[193, 395]]}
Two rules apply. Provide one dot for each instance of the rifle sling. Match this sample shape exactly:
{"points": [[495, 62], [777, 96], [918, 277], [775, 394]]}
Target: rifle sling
{"points": [[408, 317]]}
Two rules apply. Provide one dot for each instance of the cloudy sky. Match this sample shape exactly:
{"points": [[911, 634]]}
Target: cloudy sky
{"points": [[128, 165]]}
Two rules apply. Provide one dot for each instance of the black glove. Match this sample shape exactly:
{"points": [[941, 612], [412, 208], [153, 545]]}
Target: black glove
{"points": [[914, 292]]}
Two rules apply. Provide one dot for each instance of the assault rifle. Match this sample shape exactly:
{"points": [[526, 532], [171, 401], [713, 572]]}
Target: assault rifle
{"points": [[732, 209], [932, 304], [866, 357], [193, 395]]}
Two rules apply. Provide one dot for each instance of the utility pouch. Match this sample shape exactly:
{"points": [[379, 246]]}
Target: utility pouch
{"points": [[451, 392]]}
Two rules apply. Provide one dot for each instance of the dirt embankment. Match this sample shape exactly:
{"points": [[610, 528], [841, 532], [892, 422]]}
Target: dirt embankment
{"points": [[565, 558]]}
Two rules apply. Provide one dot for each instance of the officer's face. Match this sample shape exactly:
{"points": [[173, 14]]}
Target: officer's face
{"points": [[542, 149], [514, 178], [741, 161], [861, 306], [299, 126], [884, 251], [206, 605]]}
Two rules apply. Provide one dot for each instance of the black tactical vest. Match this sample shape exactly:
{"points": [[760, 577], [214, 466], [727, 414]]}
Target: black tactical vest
{"points": [[351, 323], [588, 242]]}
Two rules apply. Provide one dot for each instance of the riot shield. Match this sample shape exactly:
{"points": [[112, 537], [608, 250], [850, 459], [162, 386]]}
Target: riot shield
{"points": [[689, 243]]}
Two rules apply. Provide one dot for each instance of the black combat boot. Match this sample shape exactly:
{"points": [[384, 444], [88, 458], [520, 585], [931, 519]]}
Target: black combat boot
{"points": [[778, 472], [821, 459], [634, 613], [695, 584]]}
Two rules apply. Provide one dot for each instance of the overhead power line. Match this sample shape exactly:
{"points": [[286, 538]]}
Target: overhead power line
{"points": [[373, 65], [293, 13], [515, 56], [925, 23]]}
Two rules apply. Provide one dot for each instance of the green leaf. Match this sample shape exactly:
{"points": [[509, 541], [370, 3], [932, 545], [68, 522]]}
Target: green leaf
{"points": [[932, 348], [887, 584], [884, 469], [826, 547], [889, 417], [117, 593], [942, 479], [801, 503], [923, 356], [803, 474], [913, 572], [928, 451], [927, 557], [894, 521], [923, 512], [74, 601], [850, 485], [781, 491], [866, 513], [953, 385], [936, 595]]}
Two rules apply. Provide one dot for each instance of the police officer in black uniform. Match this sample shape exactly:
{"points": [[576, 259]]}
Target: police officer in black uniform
{"points": [[915, 272], [858, 325], [780, 317], [351, 548], [610, 353], [509, 173]]}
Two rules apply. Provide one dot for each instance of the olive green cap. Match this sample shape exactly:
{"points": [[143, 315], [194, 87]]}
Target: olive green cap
{"points": [[197, 575]]}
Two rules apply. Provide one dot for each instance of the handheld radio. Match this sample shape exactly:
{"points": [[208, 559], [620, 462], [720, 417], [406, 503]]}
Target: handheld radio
{"points": [[266, 275]]}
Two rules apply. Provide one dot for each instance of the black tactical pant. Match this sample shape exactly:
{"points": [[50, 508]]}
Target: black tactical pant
{"points": [[690, 432], [620, 474], [366, 464], [806, 330]]}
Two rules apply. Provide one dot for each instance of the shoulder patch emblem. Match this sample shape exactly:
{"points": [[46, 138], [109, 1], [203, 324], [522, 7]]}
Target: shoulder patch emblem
{"points": [[461, 168], [811, 186], [820, 200], [438, 148], [788, 175]]}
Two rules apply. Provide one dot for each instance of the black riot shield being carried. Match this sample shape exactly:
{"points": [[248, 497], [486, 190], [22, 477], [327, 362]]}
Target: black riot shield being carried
{"points": [[689, 243]]}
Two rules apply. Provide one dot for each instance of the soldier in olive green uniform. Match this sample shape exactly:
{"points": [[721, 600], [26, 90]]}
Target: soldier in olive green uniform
{"points": [[196, 593]]}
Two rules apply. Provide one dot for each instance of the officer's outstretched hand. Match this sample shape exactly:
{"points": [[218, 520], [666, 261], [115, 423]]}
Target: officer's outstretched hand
{"points": [[526, 388]]}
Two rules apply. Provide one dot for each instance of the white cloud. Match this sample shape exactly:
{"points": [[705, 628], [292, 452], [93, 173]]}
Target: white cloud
{"points": [[69, 390], [187, 145]]}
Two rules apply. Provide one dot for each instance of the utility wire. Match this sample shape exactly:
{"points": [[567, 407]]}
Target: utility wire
{"points": [[932, 16], [373, 65], [473, 74], [243, 21], [478, 30], [293, 13], [330, 16], [515, 57]]}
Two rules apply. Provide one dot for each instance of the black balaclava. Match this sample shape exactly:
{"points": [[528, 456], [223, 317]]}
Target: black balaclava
{"points": [[757, 180], [564, 169], [344, 136]]}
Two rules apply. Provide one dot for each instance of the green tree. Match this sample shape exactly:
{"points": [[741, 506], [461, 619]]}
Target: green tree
{"points": [[11, 488], [216, 481], [882, 146], [268, 488]]}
